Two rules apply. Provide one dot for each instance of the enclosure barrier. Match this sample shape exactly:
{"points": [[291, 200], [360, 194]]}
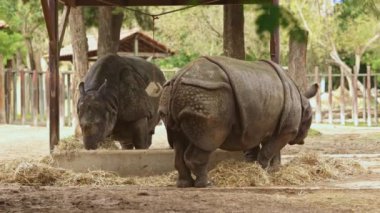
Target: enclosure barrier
{"points": [[346, 98], [356, 103]]}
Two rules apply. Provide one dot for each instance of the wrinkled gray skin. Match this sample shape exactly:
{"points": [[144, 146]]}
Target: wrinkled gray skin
{"points": [[113, 102], [200, 110]]}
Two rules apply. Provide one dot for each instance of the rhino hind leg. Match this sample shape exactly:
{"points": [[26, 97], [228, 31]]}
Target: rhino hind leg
{"points": [[197, 160], [251, 154], [270, 151], [180, 143]]}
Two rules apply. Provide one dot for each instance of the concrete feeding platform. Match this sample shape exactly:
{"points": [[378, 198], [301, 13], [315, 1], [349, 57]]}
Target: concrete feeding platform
{"points": [[160, 161], [130, 162]]}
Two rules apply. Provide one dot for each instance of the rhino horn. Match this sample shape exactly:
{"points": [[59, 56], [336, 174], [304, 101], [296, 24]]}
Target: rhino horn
{"points": [[81, 88], [311, 91], [102, 88]]}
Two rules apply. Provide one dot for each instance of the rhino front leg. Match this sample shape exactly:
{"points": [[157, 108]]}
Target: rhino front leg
{"points": [[180, 144], [271, 149], [197, 160], [140, 134]]}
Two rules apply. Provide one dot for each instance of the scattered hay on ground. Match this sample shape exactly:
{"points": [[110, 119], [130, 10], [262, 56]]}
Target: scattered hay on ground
{"points": [[73, 144], [43, 173], [238, 174], [303, 169]]}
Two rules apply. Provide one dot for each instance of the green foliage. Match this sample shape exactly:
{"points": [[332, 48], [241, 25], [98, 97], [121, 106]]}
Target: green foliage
{"points": [[180, 59], [10, 43]]}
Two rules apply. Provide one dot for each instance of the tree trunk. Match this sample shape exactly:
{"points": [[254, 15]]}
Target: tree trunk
{"points": [[347, 71], [29, 46], [80, 58], [109, 30], [233, 35], [297, 61], [2, 92]]}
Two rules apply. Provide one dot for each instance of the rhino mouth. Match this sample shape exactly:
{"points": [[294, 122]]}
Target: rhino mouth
{"points": [[90, 142]]}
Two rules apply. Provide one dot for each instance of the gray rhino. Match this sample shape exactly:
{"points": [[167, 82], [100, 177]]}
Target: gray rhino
{"points": [[220, 102], [114, 102]]}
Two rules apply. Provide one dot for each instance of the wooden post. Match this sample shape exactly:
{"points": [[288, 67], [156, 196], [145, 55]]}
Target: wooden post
{"points": [[69, 98], [375, 107], [330, 94], [14, 78], [22, 87], [41, 96], [342, 99], [7, 96], [369, 116], [2, 92], [50, 9], [47, 97], [364, 110], [35, 98], [62, 100], [136, 45], [318, 114], [355, 118]]}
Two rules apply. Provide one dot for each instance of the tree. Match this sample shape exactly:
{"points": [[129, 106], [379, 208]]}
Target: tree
{"points": [[80, 58], [110, 22], [297, 63], [233, 34], [329, 26], [25, 18]]}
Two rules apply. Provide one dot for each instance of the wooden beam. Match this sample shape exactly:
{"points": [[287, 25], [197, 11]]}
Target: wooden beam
{"points": [[50, 8], [63, 25], [74, 3]]}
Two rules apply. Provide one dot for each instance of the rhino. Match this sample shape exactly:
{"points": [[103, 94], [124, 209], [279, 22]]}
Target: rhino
{"points": [[219, 102], [114, 102]]}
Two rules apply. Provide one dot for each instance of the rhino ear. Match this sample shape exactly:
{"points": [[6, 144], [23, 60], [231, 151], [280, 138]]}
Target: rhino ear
{"points": [[102, 88], [313, 89], [81, 88]]}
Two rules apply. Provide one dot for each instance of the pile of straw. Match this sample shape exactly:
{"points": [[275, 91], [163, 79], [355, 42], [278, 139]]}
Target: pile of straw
{"points": [[73, 144], [304, 169]]}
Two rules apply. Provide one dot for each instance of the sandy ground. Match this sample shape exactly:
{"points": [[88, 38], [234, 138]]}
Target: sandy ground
{"points": [[32, 142], [362, 196]]}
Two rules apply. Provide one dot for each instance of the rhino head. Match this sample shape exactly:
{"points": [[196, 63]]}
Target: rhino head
{"points": [[97, 115], [307, 115]]}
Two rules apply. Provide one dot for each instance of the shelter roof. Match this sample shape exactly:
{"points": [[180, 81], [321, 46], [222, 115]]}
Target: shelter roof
{"points": [[146, 45], [3, 24]]}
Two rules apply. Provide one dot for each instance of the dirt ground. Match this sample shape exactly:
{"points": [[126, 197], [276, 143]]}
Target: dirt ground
{"points": [[170, 199], [17, 142]]}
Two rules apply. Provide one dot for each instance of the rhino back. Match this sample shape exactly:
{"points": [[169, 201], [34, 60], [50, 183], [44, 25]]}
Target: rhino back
{"points": [[257, 90]]}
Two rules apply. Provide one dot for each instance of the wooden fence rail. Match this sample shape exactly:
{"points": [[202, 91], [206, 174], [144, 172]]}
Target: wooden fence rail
{"points": [[339, 104], [26, 99]]}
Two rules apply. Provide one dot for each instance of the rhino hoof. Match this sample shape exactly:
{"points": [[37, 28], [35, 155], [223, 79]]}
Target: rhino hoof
{"points": [[185, 183], [202, 184]]}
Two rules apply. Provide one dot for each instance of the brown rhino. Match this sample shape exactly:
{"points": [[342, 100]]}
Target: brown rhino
{"points": [[220, 102]]}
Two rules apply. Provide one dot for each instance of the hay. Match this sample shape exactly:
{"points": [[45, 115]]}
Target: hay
{"points": [[72, 143], [43, 173], [304, 169], [238, 174]]}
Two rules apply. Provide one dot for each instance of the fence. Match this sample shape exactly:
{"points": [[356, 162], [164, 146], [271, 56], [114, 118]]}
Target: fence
{"points": [[26, 97], [357, 106]]}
